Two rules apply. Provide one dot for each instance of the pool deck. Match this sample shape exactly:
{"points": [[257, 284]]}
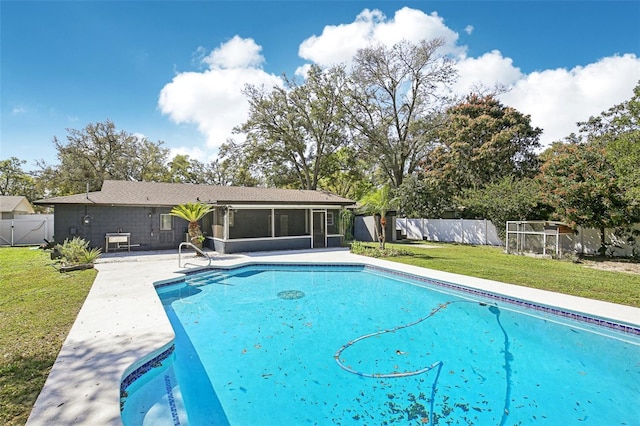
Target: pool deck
{"points": [[122, 322]]}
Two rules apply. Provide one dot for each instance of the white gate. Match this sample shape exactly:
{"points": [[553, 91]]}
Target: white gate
{"points": [[25, 230]]}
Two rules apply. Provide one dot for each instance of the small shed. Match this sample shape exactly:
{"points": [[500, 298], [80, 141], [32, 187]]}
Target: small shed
{"points": [[14, 205]]}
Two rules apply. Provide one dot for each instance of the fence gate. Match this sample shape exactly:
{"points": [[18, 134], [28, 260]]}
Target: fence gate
{"points": [[26, 230]]}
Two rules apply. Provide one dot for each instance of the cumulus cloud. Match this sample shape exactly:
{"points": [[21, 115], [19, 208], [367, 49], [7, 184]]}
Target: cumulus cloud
{"points": [[555, 99], [236, 53], [488, 70], [339, 43], [213, 99], [192, 152]]}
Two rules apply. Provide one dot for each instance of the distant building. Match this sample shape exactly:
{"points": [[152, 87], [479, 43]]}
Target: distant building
{"points": [[12, 206]]}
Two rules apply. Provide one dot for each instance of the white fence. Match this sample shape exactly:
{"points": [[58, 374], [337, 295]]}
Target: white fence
{"points": [[464, 231], [483, 232], [28, 229], [587, 241]]}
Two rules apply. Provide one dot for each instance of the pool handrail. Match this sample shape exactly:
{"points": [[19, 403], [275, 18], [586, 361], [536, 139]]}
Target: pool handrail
{"points": [[195, 248]]}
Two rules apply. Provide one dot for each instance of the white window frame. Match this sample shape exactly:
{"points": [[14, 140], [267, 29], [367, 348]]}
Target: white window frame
{"points": [[163, 222]]}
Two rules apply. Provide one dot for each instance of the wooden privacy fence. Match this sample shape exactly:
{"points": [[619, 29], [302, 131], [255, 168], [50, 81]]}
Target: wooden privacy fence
{"points": [[25, 230], [464, 231]]}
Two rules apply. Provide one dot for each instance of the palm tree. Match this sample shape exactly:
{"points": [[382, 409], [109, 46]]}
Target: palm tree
{"points": [[192, 213], [379, 203]]}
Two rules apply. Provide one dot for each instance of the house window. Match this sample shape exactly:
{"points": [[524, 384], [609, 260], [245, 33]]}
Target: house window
{"points": [[166, 222], [329, 218]]}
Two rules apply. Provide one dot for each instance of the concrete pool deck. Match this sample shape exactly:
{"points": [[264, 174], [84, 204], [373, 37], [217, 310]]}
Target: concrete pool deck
{"points": [[122, 322]]}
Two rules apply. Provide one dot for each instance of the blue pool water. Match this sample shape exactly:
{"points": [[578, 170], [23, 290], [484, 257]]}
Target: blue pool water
{"points": [[295, 345]]}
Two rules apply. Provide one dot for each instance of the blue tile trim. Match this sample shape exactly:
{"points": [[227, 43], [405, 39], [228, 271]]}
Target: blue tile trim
{"points": [[172, 401], [518, 302], [625, 328], [140, 371]]}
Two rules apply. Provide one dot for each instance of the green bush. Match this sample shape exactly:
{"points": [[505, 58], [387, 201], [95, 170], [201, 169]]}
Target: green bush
{"points": [[363, 249], [76, 252]]}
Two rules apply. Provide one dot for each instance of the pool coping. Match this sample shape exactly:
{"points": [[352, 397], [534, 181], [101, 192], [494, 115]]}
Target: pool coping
{"points": [[122, 323]]}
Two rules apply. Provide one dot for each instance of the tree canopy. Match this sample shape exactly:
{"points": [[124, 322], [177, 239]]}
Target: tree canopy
{"points": [[293, 130], [618, 131], [15, 181], [100, 152], [482, 142], [582, 187], [393, 103]]}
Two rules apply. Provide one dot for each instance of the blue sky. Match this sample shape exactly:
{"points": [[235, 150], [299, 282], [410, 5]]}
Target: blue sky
{"points": [[173, 70]]}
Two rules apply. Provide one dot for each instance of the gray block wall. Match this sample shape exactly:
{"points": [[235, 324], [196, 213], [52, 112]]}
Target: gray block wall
{"points": [[143, 223]]}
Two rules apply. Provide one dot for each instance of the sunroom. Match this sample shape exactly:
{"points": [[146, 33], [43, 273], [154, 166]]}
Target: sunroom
{"points": [[240, 228]]}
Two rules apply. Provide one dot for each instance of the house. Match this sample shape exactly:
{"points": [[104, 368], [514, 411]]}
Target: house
{"points": [[135, 215], [12, 206]]}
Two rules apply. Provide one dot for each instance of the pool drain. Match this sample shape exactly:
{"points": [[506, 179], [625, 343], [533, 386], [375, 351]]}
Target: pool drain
{"points": [[291, 294]]}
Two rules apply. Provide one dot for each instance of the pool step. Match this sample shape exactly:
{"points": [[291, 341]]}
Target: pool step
{"points": [[205, 278]]}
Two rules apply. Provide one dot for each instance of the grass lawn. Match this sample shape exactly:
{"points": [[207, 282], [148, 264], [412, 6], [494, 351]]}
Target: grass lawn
{"points": [[546, 274], [38, 305]]}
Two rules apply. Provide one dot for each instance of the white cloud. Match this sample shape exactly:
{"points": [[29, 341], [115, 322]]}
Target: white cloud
{"points": [[339, 43], [18, 110], [236, 53], [195, 153], [213, 99], [557, 99], [490, 69]]}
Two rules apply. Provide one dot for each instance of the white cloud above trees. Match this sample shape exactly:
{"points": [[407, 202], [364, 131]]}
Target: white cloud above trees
{"points": [[339, 43], [213, 99], [556, 99]]}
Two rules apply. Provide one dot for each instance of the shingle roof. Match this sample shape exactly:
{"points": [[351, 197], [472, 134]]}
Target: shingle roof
{"points": [[9, 203], [116, 192]]}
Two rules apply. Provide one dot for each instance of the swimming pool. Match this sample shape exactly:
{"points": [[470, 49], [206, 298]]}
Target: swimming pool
{"points": [[321, 344]]}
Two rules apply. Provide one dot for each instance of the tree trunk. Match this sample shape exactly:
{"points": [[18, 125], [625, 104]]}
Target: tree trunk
{"points": [[603, 244], [383, 231], [195, 235]]}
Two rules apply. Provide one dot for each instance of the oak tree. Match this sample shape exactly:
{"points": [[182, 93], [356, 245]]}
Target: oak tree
{"points": [[395, 96], [293, 130]]}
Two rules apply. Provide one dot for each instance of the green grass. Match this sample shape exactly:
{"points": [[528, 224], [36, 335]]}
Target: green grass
{"points": [[546, 274], [38, 305]]}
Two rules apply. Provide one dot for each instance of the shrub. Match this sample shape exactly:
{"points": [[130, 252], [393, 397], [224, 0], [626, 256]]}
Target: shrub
{"points": [[76, 251], [363, 249]]}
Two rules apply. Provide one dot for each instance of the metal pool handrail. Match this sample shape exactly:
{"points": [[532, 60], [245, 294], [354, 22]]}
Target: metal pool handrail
{"points": [[195, 248]]}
